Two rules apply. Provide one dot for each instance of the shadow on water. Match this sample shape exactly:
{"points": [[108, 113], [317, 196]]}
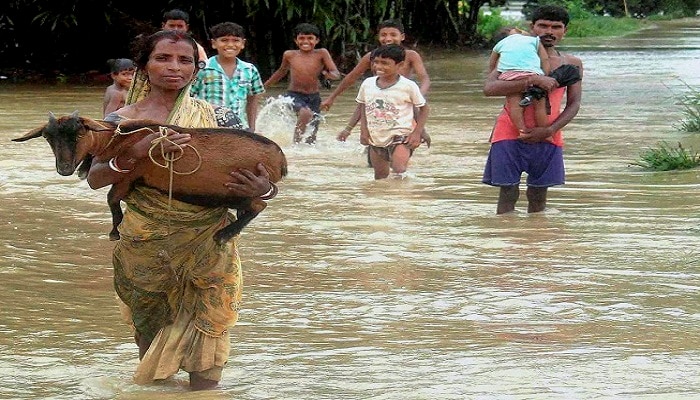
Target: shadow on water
{"points": [[397, 289]]}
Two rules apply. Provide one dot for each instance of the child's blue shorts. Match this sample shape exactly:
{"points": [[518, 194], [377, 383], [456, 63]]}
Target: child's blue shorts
{"points": [[508, 159]]}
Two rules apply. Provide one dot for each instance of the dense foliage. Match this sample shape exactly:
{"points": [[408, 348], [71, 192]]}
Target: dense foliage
{"points": [[49, 35], [629, 8], [56, 37]]}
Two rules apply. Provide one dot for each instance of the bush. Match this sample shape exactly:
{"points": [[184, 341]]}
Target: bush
{"points": [[667, 158], [489, 24], [602, 26], [690, 102]]}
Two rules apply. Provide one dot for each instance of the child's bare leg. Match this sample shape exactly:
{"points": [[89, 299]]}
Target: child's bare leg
{"points": [[354, 119], [314, 124], [399, 159], [379, 163], [304, 117], [540, 112], [516, 112]]}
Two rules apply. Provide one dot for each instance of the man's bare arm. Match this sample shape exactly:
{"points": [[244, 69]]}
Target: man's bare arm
{"points": [[573, 104], [495, 87]]}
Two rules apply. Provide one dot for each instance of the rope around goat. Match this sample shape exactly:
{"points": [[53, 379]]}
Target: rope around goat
{"points": [[170, 158]]}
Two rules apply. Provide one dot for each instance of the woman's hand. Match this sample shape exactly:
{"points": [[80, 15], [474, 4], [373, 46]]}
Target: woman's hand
{"points": [[140, 150], [247, 184]]}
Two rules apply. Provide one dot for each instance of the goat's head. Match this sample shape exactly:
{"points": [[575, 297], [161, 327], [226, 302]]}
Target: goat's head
{"points": [[68, 138]]}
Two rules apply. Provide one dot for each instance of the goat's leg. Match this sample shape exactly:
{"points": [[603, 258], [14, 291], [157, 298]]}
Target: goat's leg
{"points": [[114, 197], [245, 215]]}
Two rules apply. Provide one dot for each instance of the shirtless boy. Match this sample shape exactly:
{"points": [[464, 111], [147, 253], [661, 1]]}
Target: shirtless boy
{"points": [[122, 73], [304, 67]]}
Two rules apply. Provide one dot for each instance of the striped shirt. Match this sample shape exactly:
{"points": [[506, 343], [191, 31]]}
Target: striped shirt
{"points": [[213, 85]]}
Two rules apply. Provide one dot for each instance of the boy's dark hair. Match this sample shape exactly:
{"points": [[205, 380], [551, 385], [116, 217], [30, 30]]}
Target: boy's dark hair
{"points": [[306, 29], [550, 12], [117, 65], [392, 51], [391, 23], [177, 15], [227, 29], [144, 45]]}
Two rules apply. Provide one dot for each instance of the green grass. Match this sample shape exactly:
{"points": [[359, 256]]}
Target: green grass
{"points": [[582, 24], [667, 158], [602, 26], [690, 103]]}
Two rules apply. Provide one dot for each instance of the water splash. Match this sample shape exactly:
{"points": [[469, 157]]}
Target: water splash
{"points": [[277, 120]]}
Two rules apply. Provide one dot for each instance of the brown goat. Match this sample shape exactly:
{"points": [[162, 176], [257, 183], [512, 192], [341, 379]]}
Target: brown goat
{"points": [[200, 172]]}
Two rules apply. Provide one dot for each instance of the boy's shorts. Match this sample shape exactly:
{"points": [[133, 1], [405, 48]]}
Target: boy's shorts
{"points": [[308, 100], [508, 159], [387, 151]]}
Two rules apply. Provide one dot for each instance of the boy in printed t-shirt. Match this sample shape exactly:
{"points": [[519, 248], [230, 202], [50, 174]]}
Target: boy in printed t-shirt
{"points": [[393, 113], [390, 31]]}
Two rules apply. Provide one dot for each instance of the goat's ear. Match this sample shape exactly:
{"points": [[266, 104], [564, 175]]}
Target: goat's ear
{"points": [[92, 125], [34, 133]]}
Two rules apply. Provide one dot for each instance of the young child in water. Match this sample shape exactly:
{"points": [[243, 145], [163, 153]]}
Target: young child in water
{"points": [[516, 56], [122, 72], [393, 113]]}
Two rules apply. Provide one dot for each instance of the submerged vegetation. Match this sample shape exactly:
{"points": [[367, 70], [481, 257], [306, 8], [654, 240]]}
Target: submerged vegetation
{"points": [[667, 157], [690, 104]]}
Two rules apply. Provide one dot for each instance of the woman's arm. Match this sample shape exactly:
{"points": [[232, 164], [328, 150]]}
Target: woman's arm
{"points": [[113, 171]]}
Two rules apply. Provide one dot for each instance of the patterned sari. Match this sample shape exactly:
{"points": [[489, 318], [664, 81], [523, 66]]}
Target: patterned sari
{"points": [[178, 287]]}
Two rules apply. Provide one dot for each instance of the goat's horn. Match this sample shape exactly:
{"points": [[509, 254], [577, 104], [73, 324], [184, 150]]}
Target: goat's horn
{"points": [[52, 117], [74, 114]]}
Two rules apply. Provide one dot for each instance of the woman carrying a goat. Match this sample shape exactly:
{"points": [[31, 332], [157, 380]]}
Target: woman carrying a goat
{"points": [[180, 288]]}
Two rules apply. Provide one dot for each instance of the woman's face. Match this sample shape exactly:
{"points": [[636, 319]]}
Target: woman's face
{"points": [[171, 64]]}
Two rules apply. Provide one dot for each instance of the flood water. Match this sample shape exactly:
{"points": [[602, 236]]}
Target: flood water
{"points": [[397, 289]]}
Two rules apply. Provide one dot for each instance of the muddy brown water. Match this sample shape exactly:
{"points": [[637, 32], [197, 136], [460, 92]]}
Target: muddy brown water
{"points": [[409, 289]]}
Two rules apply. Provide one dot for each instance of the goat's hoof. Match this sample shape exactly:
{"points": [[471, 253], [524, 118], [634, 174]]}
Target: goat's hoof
{"points": [[220, 238], [114, 236]]}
